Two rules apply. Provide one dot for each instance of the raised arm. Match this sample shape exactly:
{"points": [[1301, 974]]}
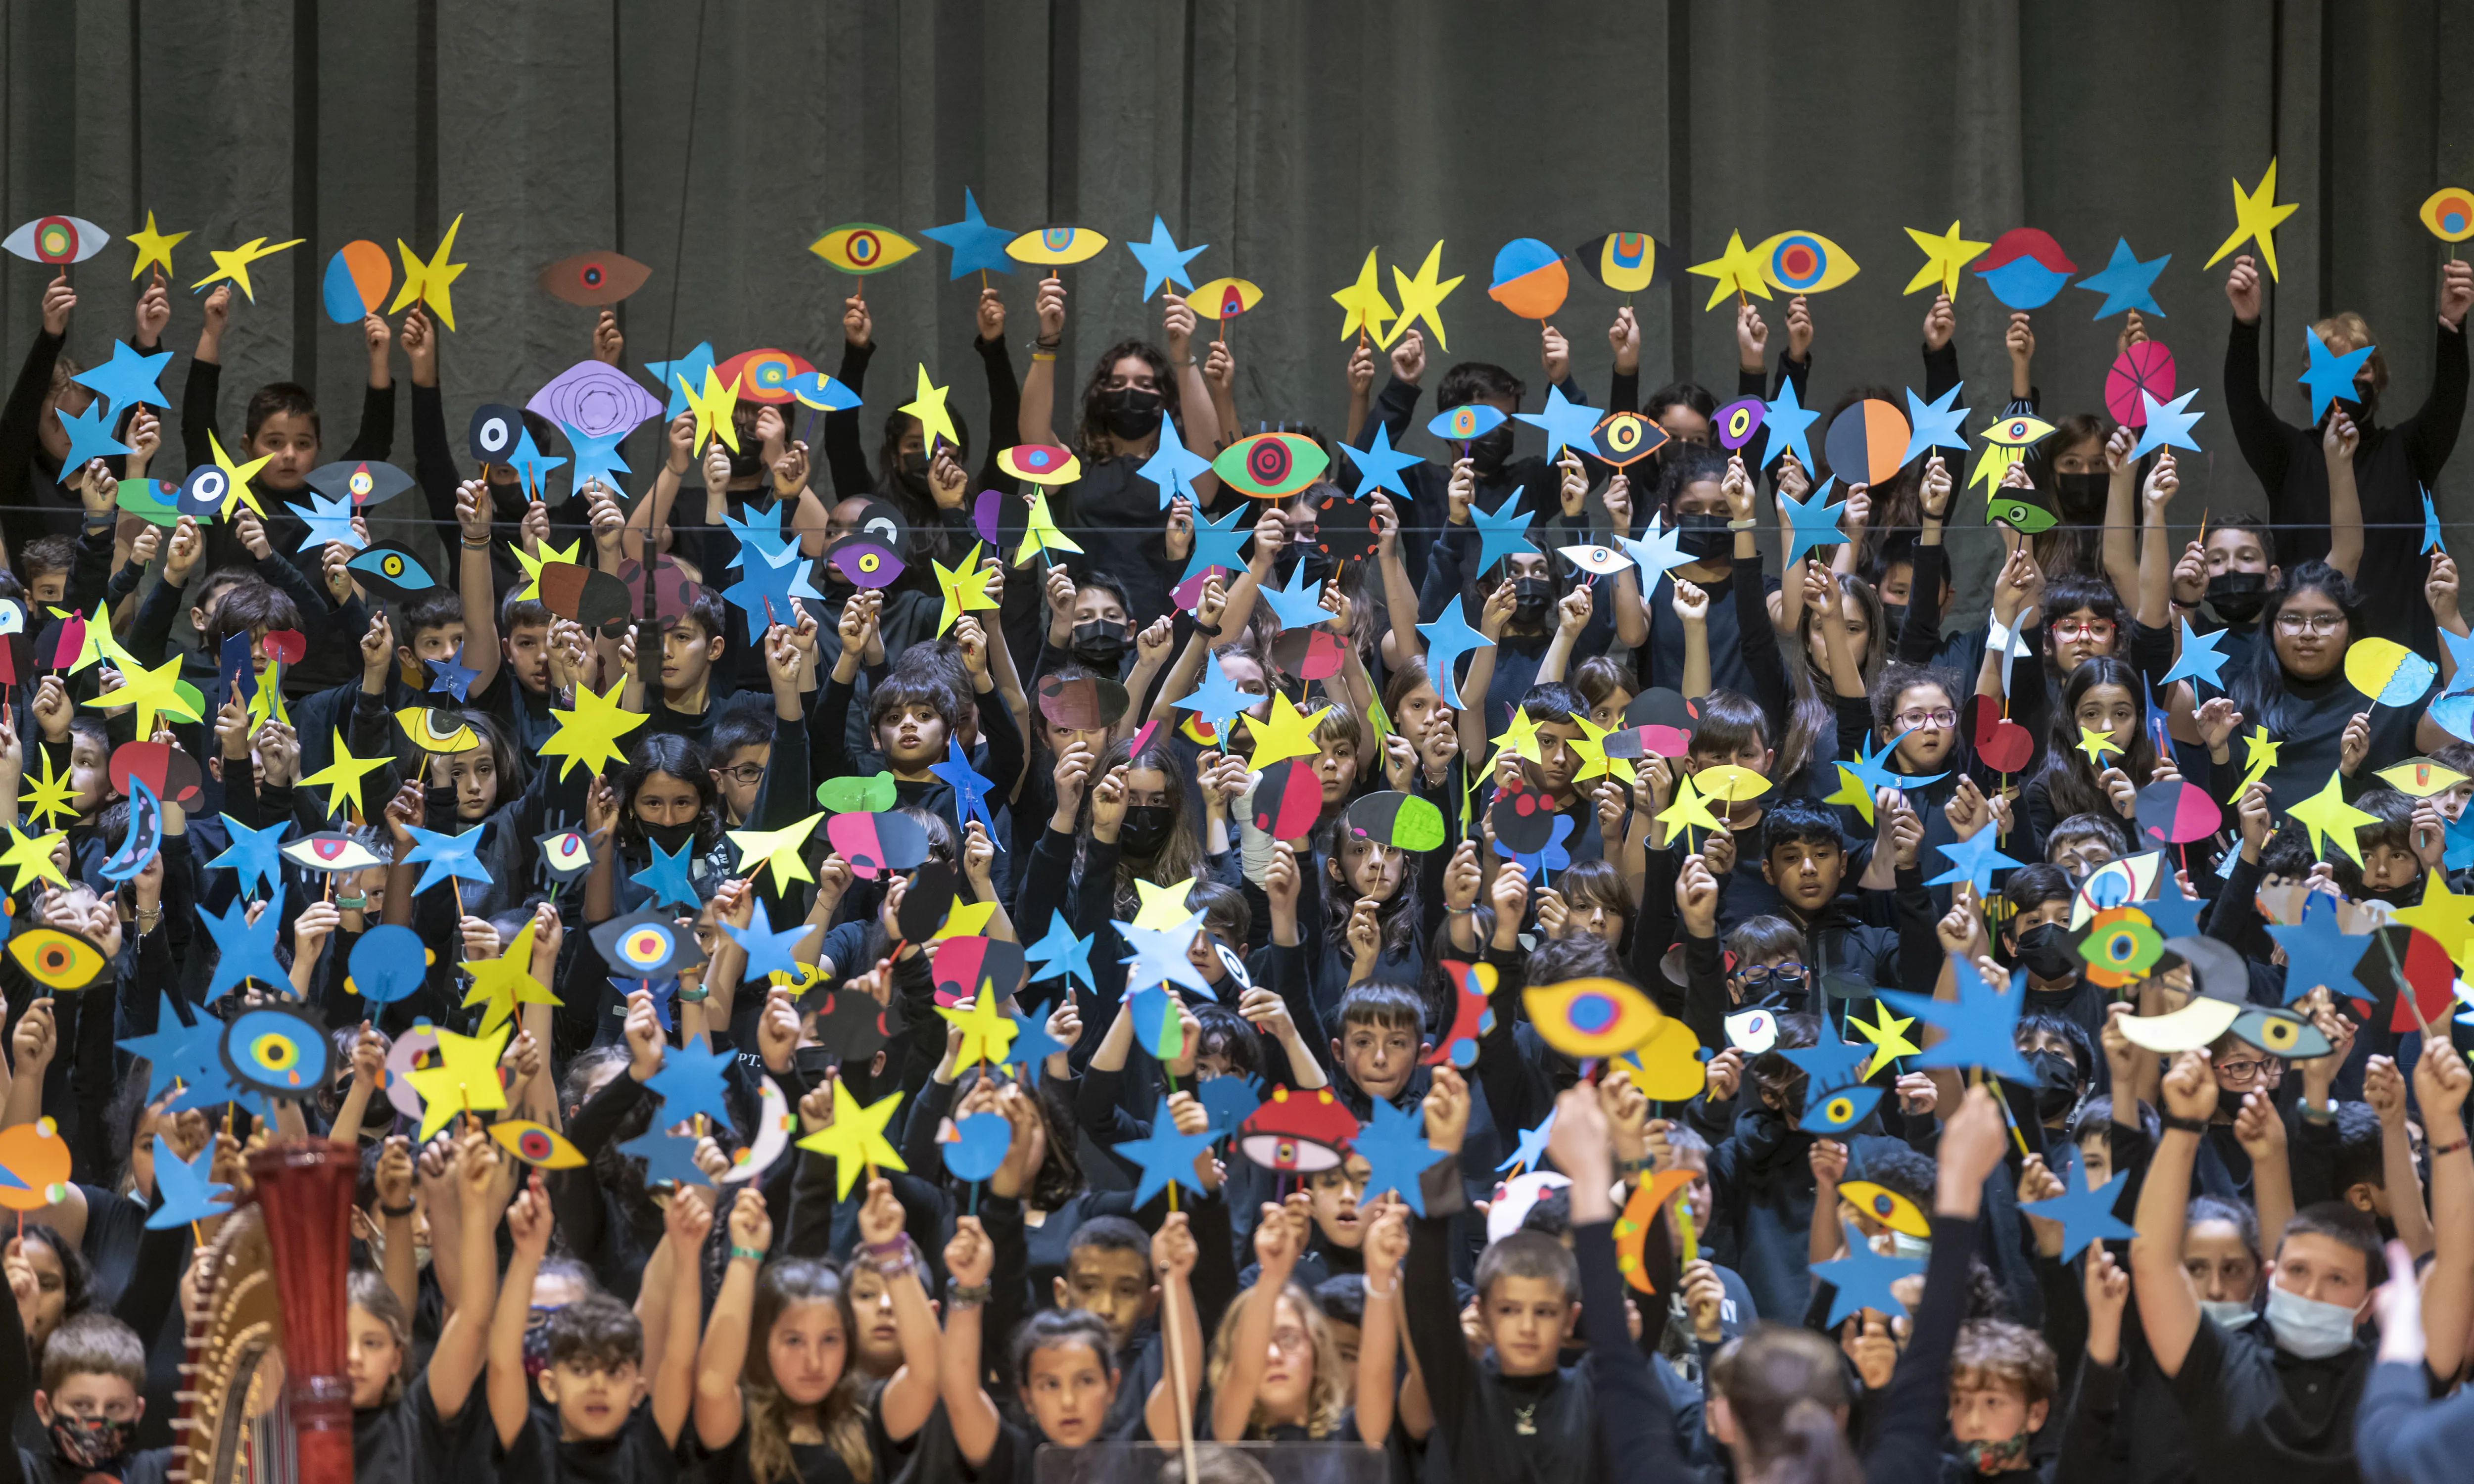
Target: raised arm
{"points": [[2156, 550], [2168, 1309], [910, 1395], [2440, 1081], [1173, 1254], [970, 1258], [2337, 443], [511, 1390], [456, 1363]]}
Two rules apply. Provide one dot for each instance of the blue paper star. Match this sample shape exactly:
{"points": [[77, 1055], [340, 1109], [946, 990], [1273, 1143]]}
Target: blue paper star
{"points": [[2126, 282], [1159, 958], [1230, 1099], [2086, 1215], [1297, 604], [1532, 1147], [1567, 423], [663, 991], [1976, 1030], [2329, 375], [183, 1192], [451, 675], [532, 466], [328, 521], [1217, 699], [199, 1063], [1814, 519], [2168, 424], [2175, 915], [245, 950], [126, 377], [1872, 769], [89, 438], [446, 856], [2460, 650], [1153, 1014], [689, 369], [761, 533], [1163, 260], [1397, 1156], [970, 790], [1939, 423], [2459, 847], [1166, 1155], [2316, 951], [597, 459], [1659, 555], [692, 1082], [1174, 467], [254, 855], [1032, 1045], [1829, 1062], [666, 877], [978, 247], [161, 1047], [1973, 859], [667, 1157], [1218, 543], [1783, 424], [1061, 955], [2200, 659], [1552, 857], [766, 591], [1379, 465], [1501, 533], [768, 952], [1862, 1279], [1448, 638], [2431, 538]]}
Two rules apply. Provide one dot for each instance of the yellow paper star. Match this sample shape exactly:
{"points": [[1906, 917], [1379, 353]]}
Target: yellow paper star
{"points": [[1944, 256], [2259, 756], [533, 564], [1164, 908], [712, 408], [235, 264], [1520, 738], [268, 703], [2095, 744], [91, 643], [1890, 1038], [464, 1080], [1738, 271], [2256, 214], [505, 982], [1421, 298], [1284, 734], [151, 692], [965, 919], [780, 848], [342, 778], [51, 797], [1688, 811], [965, 586], [856, 1139], [30, 856], [2327, 813], [1367, 309], [237, 476], [1853, 792], [987, 1032], [1040, 533], [588, 736], [427, 282], [2443, 915], [154, 247], [1591, 749], [1992, 464], [929, 407]]}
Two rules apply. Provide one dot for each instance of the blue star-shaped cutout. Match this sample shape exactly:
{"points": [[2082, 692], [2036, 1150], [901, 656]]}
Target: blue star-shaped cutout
{"points": [[89, 438], [2460, 650], [1174, 467], [2169, 425], [451, 675], [1783, 424], [1829, 1062], [761, 533], [1397, 1154], [2315, 951], [1230, 1099], [1163, 260], [1939, 423], [691, 1080], [663, 991], [1154, 1018], [1159, 958], [2200, 659], [328, 521], [1218, 543], [1531, 1149], [2460, 845], [1659, 555], [1448, 638], [1862, 1279], [1973, 859], [1379, 465], [1217, 699], [1872, 769], [1033, 1045], [245, 950], [199, 1063], [183, 1192], [1299, 605], [444, 856], [532, 466], [970, 789], [1166, 1155], [2431, 538], [768, 952], [2329, 375], [1061, 954], [2126, 282], [765, 594], [597, 459], [126, 377], [667, 1157], [978, 247], [2086, 1215], [1569, 424], [665, 874], [1976, 1030], [255, 856], [1815, 521], [1501, 533], [2175, 915], [160, 1046], [689, 368]]}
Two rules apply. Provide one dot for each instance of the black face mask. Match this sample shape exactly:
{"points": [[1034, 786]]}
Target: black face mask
{"points": [[670, 839], [1145, 829], [2045, 949], [1531, 598], [912, 474], [2080, 497], [1100, 645], [748, 458], [1894, 617], [1130, 413], [2238, 596], [1492, 452], [2057, 1085], [1705, 537], [2405, 896]]}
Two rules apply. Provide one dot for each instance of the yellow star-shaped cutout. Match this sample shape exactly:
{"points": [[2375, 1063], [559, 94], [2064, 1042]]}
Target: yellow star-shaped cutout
{"points": [[1890, 1038], [965, 586], [929, 407], [533, 564], [779, 847], [233, 264], [1738, 270], [1163, 908], [236, 489], [151, 692], [30, 856], [2256, 214], [2258, 756], [713, 407], [987, 1032], [1284, 734], [94, 639], [1688, 811], [856, 1140], [464, 1080], [50, 798], [505, 982], [154, 247], [1853, 792], [588, 736], [1520, 738], [1591, 749], [1421, 298], [1992, 463], [2327, 813], [342, 778], [2443, 915], [1367, 309], [427, 282], [965, 919], [2095, 744], [1040, 533], [268, 703], [1944, 256]]}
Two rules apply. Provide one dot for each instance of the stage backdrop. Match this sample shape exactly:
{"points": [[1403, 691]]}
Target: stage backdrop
{"points": [[714, 141]]}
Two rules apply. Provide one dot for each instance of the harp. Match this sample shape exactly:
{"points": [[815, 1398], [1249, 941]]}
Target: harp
{"points": [[267, 1398]]}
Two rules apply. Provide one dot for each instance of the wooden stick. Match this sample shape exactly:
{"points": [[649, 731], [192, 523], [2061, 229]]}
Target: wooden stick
{"points": [[1176, 1360]]}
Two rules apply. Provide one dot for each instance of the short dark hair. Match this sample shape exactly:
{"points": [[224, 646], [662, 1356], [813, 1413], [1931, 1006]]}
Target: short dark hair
{"points": [[1063, 1329], [2046, 1022], [45, 555], [1342, 1298], [1223, 910], [2034, 884], [741, 725], [276, 398], [1729, 718], [1681, 394], [520, 612], [2259, 531], [2066, 592], [1796, 819], [1552, 701], [1529, 1255], [1601, 676], [93, 1345], [705, 610], [2087, 827], [1575, 956], [1222, 1032], [2340, 1222], [434, 609], [2237, 1214], [1894, 1167], [1686, 465], [247, 606], [595, 1333], [1384, 1006], [1110, 1234], [1471, 381], [898, 690], [2360, 1160], [1106, 581]]}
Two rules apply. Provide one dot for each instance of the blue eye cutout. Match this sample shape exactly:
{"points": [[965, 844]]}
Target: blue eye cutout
{"points": [[278, 1051], [1839, 1110], [391, 570]]}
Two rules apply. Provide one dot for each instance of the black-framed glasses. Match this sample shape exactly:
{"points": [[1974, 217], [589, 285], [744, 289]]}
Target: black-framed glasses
{"points": [[1782, 973]]}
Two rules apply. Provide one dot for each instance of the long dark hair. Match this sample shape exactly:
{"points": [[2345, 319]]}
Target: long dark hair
{"points": [[1784, 1388], [2259, 690], [1091, 424], [2070, 781], [842, 1416], [1399, 918], [667, 752]]}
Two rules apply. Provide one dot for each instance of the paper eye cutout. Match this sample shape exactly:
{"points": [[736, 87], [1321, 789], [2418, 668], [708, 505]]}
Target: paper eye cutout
{"points": [[2121, 948], [879, 519], [1040, 464], [1886, 1207], [862, 247], [56, 239], [1346, 530], [594, 399], [1467, 421], [329, 850], [1626, 262], [1839, 1110], [1601, 559], [564, 853], [1738, 421], [1529, 279], [594, 279], [391, 570], [436, 732], [1753, 1031], [849, 795], [865, 563], [36, 1161], [2417, 778], [2280, 1034], [537, 1144], [1626, 438], [1804, 262], [1270, 465], [1591, 1018], [1297, 1132], [150, 500], [820, 393], [56, 960], [12, 617], [2019, 515], [646, 945], [364, 481], [358, 279], [388, 964], [2449, 213], [1729, 783], [2018, 432], [762, 375], [1223, 299], [1056, 246], [491, 437], [204, 492], [278, 1050]]}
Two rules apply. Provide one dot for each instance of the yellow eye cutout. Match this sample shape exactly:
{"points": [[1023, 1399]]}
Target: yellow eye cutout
{"points": [[2449, 213], [1626, 262], [1729, 783], [56, 960], [862, 247], [537, 1144], [1040, 464], [1801, 262], [1667, 1067], [2279, 1034], [1223, 299], [1056, 246], [1592, 1018], [428, 730], [1886, 1207], [1270, 465], [2018, 432]]}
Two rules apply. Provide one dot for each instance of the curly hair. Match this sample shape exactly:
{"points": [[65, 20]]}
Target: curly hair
{"points": [[1092, 424]]}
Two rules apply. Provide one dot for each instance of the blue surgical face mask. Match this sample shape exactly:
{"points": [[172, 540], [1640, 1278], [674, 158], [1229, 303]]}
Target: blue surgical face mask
{"points": [[2306, 1327], [2229, 1313]]}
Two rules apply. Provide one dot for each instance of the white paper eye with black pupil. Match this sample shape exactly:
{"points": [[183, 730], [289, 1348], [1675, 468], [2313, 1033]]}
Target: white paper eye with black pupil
{"points": [[495, 430]]}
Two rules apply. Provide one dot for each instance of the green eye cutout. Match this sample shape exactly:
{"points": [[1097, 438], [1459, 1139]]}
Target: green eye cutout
{"points": [[2019, 515], [1270, 465]]}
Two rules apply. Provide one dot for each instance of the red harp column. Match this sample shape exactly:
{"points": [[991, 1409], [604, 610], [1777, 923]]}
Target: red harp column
{"points": [[304, 1192]]}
